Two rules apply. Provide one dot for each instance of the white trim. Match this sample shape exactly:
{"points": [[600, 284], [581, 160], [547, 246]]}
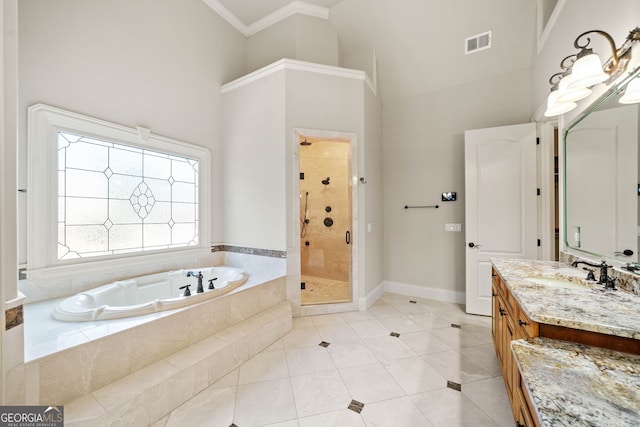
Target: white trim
{"points": [[227, 15], [543, 33], [444, 295], [368, 300], [293, 8], [293, 64], [61, 272], [43, 125]]}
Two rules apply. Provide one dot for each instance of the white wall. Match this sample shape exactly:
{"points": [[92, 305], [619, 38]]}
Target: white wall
{"points": [[372, 196], [254, 166], [301, 37], [423, 157], [154, 63]]}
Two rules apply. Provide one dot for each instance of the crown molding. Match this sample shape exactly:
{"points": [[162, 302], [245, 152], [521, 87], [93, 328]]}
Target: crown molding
{"points": [[293, 8], [293, 64]]}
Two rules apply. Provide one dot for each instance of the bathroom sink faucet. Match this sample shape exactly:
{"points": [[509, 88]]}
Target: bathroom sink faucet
{"points": [[604, 271]]}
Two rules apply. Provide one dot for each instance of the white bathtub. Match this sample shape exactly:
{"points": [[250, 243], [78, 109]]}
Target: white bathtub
{"points": [[147, 294]]}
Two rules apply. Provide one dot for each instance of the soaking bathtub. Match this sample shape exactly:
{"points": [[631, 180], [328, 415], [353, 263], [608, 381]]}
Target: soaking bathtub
{"points": [[148, 294]]}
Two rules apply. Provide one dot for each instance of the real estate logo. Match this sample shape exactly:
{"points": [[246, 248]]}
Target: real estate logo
{"points": [[31, 416]]}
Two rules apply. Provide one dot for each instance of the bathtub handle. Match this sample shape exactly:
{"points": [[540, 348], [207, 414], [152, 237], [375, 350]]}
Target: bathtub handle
{"points": [[211, 283], [347, 237], [187, 291]]}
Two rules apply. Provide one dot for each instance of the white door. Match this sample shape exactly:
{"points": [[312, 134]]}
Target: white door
{"points": [[500, 208]]}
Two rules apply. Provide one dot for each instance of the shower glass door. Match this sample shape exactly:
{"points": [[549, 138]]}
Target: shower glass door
{"points": [[325, 220]]}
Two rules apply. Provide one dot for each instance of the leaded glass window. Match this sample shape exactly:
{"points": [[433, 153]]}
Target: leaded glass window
{"points": [[115, 198]]}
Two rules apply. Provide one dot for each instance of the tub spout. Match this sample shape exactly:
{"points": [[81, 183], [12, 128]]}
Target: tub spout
{"points": [[199, 276]]}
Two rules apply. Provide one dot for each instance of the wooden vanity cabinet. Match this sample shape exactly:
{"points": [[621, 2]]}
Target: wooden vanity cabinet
{"points": [[509, 322]]}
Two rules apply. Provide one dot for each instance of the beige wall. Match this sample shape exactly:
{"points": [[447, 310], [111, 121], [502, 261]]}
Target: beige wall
{"points": [[254, 186], [157, 64], [424, 157], [300, 37]]}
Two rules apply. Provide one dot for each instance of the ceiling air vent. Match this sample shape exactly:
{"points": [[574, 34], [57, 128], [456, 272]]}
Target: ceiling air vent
{"points": [[478, 42]]}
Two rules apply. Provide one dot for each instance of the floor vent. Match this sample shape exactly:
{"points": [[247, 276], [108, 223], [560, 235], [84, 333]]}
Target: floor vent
{"points": [[478, 42], [394, 334]]}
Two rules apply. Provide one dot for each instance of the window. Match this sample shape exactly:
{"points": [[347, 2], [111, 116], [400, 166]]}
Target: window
{"points": [[101, 193]]}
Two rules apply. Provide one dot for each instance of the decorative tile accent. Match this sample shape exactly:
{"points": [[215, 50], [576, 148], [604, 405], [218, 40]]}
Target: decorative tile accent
{"points": [[394, 334], [454, 386], [13, 317], [324, 344], [356, 406], [250, 251], [454, 325]]}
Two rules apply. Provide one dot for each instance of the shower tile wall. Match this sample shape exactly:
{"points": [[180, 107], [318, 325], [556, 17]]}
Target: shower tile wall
{"points": [[327, 255]]}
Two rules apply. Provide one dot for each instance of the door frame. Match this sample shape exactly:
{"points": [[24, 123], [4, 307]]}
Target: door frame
{"points": [[294, 267]]}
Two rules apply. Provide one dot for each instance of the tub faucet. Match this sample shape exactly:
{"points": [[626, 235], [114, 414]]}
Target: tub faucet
{"points": [[604, 271], [199, 276]]}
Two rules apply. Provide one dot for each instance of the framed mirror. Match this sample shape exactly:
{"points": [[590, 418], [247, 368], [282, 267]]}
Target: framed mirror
{"points": [[601, 185]]}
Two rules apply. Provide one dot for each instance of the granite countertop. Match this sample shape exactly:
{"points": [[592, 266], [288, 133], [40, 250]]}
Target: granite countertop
{"points": [[573, 384], [588, 307]]}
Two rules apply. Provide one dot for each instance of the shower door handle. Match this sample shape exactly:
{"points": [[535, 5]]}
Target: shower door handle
{"points": [[347, 237]]}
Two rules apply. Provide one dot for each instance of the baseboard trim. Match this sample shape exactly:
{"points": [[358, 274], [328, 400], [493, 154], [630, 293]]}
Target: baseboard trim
{"points": [[443, 295], [367, 301]]}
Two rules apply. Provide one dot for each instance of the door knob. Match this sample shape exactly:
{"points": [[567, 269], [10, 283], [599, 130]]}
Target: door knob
{"points": [[626, 252], [473, 245]]}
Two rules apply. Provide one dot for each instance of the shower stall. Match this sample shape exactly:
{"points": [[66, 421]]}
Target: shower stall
{"points": [[325, 220]]}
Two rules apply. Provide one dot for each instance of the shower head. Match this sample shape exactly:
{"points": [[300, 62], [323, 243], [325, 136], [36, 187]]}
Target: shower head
{"points": [[326, 181], [305, 143]]}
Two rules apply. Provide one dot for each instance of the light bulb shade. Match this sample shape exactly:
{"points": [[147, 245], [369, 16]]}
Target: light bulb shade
{"points": [[568, 94], [631, 93], [587, 71], [555, 108]]}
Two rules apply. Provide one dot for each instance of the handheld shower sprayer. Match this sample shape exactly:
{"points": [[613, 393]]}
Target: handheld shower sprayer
{"points": [[326, 181]]}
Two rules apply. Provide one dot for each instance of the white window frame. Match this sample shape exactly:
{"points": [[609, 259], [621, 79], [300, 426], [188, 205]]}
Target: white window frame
{"points": [[44, 122]]}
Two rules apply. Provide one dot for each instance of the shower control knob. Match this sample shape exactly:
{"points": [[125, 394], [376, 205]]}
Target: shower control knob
{"points": [[306, 243], [327, 209], [328, 222]]}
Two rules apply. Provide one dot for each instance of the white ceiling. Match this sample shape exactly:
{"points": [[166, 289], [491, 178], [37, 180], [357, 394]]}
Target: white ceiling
{"points": [[419, 44]]}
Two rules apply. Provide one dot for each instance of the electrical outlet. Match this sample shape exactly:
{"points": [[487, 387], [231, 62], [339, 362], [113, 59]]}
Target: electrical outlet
{"points": [[453, 227]]}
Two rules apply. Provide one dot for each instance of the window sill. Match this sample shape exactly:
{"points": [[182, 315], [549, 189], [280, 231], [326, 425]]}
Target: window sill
{"points": [[149, 263]]}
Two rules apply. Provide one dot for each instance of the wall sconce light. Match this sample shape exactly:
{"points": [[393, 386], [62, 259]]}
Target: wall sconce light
{"points": [[585, 70]]}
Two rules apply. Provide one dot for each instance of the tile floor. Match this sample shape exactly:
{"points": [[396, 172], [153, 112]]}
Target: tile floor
{"points": [[395, 381]]}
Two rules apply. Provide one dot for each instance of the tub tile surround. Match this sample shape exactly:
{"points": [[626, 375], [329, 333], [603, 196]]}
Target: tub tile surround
{"points": [[66, 360], [592, 386]]}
